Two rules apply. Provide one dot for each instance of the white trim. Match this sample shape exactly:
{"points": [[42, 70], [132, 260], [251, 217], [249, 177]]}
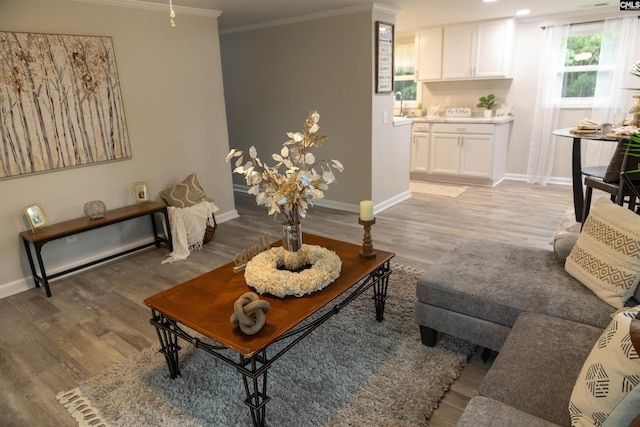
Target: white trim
{"points": [[392, 201], [347, 207], [553, 180], [136, 4], [313, 16]]}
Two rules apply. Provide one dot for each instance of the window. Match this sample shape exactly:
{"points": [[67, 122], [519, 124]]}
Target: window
{"points": [[404, 73], [582, 62]]}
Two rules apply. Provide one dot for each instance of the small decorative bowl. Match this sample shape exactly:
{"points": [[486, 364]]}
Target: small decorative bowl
{"points": [[95, 209]]}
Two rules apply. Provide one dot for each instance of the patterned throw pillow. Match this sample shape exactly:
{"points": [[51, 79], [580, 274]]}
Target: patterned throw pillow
{"points": [[606, 257], [188, 193], [607, 391]]}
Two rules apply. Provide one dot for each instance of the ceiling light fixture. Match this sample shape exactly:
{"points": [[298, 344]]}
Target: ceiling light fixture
{"points": [[522, 12], [489, 1], [172, 15]]}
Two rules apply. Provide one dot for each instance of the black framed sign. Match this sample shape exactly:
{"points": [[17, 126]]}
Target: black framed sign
{"points": [[384, 57]]}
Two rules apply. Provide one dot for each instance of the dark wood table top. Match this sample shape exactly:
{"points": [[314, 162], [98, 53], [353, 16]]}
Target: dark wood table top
{"points": [[77, 225], [205, 303]]}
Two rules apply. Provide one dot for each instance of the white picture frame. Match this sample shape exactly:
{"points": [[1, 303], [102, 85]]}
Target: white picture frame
{"points": [[141, 192]]}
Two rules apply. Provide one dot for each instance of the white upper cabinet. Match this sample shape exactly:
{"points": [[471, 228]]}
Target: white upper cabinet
{"points": [[428, 54], [494, 48], [478, 50], [458, 52]]}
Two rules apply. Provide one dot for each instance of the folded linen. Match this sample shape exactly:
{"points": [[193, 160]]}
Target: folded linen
{"points": [[587, 124]]}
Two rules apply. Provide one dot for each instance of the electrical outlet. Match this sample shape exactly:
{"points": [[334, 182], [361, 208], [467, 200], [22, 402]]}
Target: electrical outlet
{"points": [[385, 117], [71, 239]]}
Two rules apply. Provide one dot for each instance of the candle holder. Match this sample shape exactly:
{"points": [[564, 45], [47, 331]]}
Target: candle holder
{"points": [[367, 245]]}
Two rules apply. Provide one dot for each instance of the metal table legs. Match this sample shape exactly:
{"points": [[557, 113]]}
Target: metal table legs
{"points": [[254, 367]]}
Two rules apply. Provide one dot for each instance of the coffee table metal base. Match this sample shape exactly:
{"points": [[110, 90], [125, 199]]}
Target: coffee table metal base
{"points": [[254, 368]]}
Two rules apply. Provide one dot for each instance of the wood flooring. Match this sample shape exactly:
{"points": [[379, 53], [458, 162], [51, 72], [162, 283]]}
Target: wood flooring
{"points": [[96, 317]]}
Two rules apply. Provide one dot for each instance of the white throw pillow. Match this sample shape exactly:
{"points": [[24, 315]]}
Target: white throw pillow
{"points": [[607, 391], [606, 257]]}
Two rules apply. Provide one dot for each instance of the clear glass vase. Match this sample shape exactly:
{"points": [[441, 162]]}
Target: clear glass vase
{"points": [[292, 245]]}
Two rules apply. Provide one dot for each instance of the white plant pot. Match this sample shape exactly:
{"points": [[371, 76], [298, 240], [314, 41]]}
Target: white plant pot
{"points": [[488, 114]]}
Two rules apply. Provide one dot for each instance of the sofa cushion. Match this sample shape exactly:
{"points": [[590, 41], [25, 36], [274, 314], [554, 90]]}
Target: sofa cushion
{"points": [[188, 193], [537, 366], [497, 281], [607, 390], [485, 412], [606, 257]]}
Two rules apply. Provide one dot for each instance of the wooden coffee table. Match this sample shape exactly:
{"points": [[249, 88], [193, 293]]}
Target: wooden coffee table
{"points": [[205, 305]]}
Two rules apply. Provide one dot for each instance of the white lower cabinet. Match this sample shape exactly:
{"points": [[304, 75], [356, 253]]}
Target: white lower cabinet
{"points": [[470, 153], [462, 154], [420, 149]]}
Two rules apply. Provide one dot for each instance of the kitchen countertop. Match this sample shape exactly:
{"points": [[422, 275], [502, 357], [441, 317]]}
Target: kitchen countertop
{"points": [[441, 119], [401, 121]]}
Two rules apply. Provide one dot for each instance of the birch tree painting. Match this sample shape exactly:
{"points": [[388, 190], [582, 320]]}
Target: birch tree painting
{"points": [[60, 103]]}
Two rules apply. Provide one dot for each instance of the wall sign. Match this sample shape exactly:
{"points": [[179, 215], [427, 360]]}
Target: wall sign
{"points": [[60, 103], [384, 57]]}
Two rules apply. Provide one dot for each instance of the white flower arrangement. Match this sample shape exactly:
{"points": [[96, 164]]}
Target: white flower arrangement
{"points": [[262, 273], [304, 179]]}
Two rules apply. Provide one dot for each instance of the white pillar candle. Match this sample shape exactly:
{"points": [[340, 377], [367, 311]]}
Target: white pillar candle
{"points": [[366, 210]]}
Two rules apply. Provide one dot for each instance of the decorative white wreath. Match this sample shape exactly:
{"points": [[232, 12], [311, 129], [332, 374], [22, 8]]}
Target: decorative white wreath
{"points": [[262, 273]]}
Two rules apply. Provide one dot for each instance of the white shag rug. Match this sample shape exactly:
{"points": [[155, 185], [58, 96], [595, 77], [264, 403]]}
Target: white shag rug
{"points": [[352, 370], [435, 189]]}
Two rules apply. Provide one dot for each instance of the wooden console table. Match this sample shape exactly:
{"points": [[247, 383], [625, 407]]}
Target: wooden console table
{"points": [[67, 228]]}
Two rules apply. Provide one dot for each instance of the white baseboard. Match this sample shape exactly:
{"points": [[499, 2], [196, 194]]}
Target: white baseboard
{"points": [[552, 180]]}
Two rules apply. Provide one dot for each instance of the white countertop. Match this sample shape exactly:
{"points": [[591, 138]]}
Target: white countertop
{"points": [[401, 121], [441, 119]]}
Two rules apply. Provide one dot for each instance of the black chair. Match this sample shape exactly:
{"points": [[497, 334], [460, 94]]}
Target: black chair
{"points": [[622, 190]]}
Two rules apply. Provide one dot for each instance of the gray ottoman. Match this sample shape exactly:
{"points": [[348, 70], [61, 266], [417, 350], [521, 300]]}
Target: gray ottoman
{"points": [[477, 290]]}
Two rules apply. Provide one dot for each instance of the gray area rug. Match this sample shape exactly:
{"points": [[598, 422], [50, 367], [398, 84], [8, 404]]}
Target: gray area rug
{"points": [[351, 371]]}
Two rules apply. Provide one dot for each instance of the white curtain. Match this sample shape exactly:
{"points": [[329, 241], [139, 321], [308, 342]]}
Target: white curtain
{"points": [[611, 97], [545, 121]]}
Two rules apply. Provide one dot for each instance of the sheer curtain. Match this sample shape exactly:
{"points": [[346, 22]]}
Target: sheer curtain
{"points": [[618, 37], [610, 97], [545, 121]]}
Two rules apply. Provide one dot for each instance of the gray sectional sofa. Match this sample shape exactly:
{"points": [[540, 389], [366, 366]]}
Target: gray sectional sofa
{"points": [[520, 302]]}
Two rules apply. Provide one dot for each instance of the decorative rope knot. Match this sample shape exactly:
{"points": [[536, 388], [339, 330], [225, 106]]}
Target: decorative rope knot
{"points": [[247, 303]]}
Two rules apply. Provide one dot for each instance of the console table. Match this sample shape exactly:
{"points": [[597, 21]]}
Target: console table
{"points": [[40, 236]]}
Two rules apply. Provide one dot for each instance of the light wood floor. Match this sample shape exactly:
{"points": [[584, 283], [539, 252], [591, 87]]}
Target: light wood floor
{"points": [[96, 318]]}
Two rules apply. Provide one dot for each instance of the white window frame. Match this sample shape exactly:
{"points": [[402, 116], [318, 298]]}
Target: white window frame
{"points": [[582, 102], [418, 100]]}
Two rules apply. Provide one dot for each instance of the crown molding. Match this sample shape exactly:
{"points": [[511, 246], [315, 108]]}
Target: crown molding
{"points": [[304, 18], [137, 4]]}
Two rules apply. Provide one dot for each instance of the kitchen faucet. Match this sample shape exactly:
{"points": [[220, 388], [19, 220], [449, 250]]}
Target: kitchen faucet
{"points": [[403, 111]]}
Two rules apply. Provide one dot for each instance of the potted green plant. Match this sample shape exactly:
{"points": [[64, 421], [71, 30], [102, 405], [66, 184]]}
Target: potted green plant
{"points": [[487, 102]]}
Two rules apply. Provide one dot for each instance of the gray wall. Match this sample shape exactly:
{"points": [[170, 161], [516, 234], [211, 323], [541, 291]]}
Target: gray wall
{"points": [[171, 83], [274, 77]]}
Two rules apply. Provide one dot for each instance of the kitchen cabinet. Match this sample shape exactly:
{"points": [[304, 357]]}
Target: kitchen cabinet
{"points": [[478, 50], [473, 153], [420, 148], [428, 54], [462, 154]]}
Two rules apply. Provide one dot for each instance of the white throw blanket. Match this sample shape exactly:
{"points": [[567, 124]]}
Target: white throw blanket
{"points": [[187, 228]]}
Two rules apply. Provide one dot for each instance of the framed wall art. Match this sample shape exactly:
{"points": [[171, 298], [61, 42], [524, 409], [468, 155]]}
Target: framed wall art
{"points": [[384, 57], [36, 216], [60, 103]]}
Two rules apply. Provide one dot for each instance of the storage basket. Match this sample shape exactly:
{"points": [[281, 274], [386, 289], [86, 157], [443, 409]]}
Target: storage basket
{"points": [[210, 231]]}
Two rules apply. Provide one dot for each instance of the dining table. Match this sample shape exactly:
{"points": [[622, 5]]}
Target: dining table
{"points": [[576, 163]]}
